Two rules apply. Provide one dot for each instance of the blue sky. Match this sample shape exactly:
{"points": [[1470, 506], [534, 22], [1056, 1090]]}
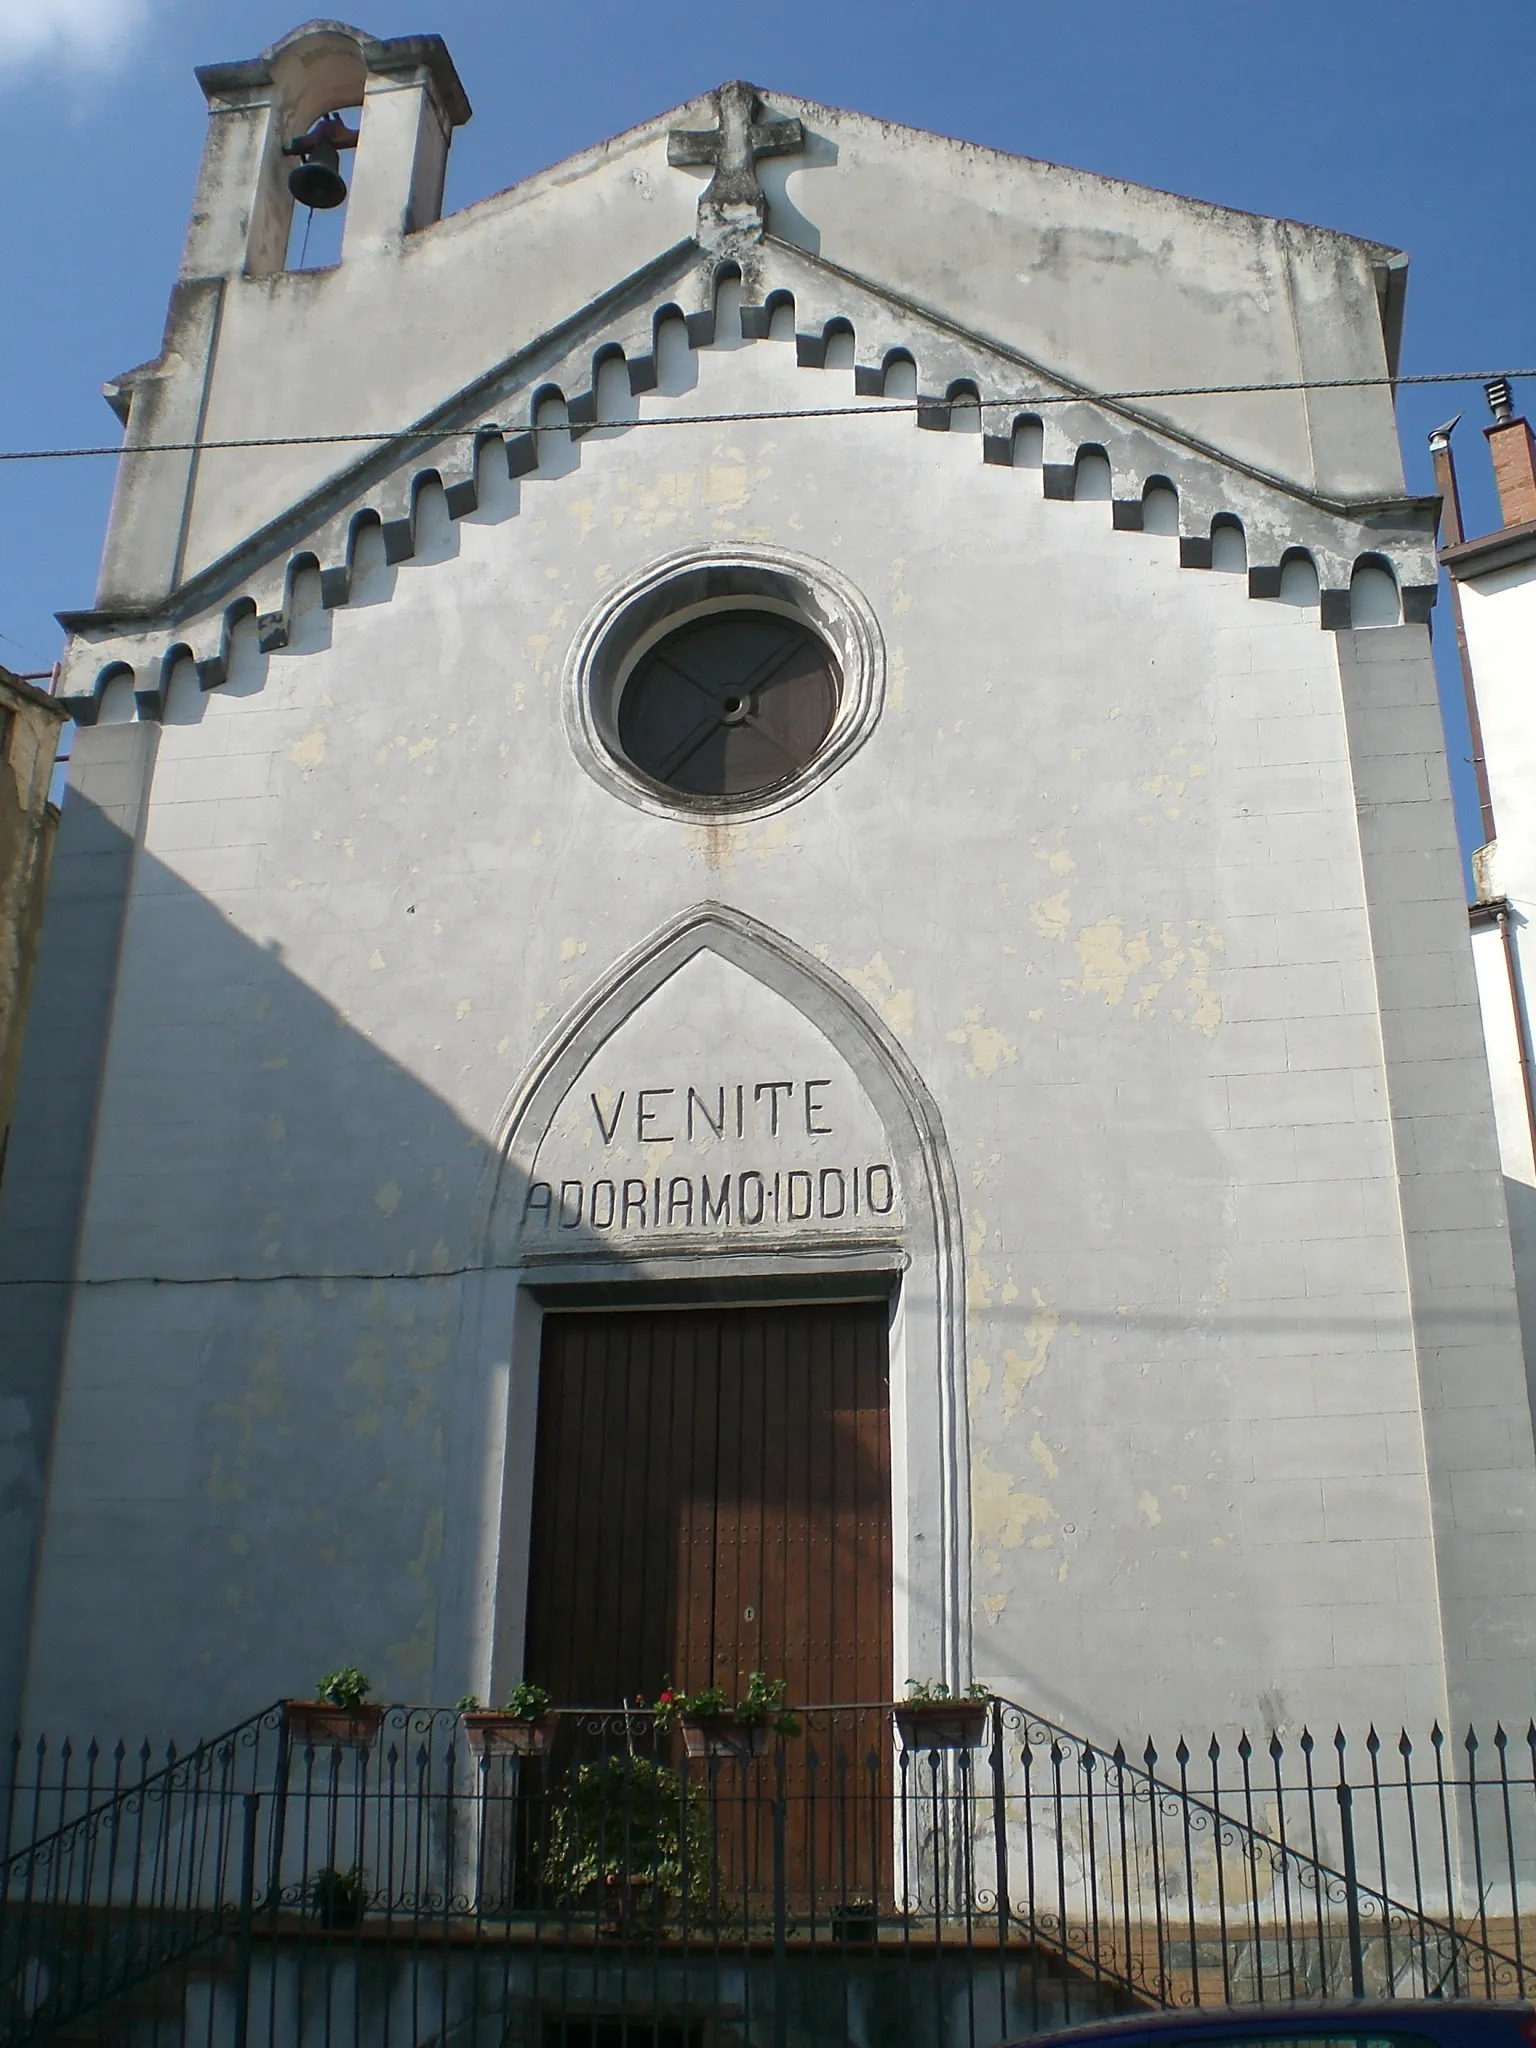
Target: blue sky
{"points": [[1408, 122]]}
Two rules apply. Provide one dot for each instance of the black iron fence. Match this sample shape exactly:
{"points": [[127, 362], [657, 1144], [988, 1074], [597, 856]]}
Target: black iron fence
{"points": [[413, 1877]]}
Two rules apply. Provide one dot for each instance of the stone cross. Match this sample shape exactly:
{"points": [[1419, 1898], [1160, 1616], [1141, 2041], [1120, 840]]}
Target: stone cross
{"points": [[733, 202]]}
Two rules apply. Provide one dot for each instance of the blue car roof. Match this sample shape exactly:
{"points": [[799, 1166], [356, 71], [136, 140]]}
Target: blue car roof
{"points": [[1445, 2019]]}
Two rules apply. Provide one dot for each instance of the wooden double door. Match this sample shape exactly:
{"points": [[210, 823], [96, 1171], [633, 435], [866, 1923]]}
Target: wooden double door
{"points": [[712, 1497]]}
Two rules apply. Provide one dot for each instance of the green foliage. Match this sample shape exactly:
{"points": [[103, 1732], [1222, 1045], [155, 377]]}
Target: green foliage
{"points": [[628, 1817], [347, 1687], [339, 1897], [469, 1704], [527, 1701], [762, 1701], [933, 1692], [712, 1703]]}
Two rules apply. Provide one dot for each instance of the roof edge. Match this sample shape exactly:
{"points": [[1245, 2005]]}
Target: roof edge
{"points": [[381, 55]]}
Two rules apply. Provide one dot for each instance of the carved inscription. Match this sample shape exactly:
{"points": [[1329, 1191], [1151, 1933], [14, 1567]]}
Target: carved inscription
{"points": [[765, 1152], [727, 1201], [728, 1111]]}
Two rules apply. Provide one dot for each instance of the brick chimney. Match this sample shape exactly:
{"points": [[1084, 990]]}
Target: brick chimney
{"points": [[1514, 456]]}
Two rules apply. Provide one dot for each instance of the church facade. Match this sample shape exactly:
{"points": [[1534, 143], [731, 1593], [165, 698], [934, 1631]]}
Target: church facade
{"points": [[758, 959]]}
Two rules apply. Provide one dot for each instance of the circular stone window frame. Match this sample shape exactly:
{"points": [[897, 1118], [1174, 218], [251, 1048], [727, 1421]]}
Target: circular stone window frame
{"points": [[695, 584]]}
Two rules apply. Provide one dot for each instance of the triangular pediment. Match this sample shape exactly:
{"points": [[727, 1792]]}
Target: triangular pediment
{"points": [[794, 300]]}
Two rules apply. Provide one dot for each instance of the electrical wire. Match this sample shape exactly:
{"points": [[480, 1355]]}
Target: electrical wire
{"points": [[1025, 401]]}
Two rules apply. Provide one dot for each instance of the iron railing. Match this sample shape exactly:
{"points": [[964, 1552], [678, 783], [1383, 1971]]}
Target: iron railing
{"points": [[412, 1886]]}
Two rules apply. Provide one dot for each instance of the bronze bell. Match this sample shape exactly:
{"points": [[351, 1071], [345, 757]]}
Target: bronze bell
{"points": [[316, 181]]}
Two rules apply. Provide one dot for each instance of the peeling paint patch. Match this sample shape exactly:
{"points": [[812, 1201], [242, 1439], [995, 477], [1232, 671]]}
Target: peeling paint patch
{"points": [[1040, 1451], [1003, 1513], [1147, 1507], [1020, 1367], [773, 839], [387, 1198], [726, 484], [877, 985], [988, 1048], [309, 752], [1056, 856], [1052, 915], [1108, 959]]}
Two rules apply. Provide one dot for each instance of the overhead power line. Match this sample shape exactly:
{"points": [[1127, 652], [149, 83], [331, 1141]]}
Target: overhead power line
{"points": [[1019, 402]]}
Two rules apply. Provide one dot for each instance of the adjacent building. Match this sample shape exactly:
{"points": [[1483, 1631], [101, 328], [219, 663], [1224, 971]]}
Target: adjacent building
{"points": [[30, 724], [1493, 596]]}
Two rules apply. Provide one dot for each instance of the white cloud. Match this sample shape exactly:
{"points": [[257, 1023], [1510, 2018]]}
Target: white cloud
{"points": [[73, 32]]}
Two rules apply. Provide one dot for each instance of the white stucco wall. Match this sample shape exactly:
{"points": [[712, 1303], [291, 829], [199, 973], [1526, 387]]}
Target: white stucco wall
{"points": [[1097, 872]]}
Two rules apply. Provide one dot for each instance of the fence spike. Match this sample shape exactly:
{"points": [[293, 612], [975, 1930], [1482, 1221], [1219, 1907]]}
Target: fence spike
{"points": [[1276, 1746], [66, 1751], [1244, 1746], [1181, 1754], [1500, 1739], [1471, 1744], [1373, 1740], [1307, 1744], [93, 1753], [1437, 1736], [1118, 1757], [145, 1753], [1149, 1754], [1404, 1744], [1214, 1752]]}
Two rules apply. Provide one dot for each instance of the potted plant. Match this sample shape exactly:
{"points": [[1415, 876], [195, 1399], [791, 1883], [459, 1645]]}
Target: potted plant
{"points": [[712, 1726], [338, 1717], [628, 1833], [932, 1717], [524, 1726], [339, 1897]]}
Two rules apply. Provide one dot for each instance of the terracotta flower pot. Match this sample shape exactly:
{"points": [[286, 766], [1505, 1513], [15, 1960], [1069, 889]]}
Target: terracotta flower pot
{"points": [[858, 1920], [727, 1738], [316, 1724], [490, 1734], [942, 1724], [628, 1902]]}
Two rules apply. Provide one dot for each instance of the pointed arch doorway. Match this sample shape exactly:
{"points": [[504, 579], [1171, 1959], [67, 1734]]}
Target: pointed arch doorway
{"points": [[570, 1222]]}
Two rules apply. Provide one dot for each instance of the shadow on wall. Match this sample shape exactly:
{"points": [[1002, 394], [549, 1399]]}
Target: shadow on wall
{"points": [[1522, 1241], [251, 1471]]}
